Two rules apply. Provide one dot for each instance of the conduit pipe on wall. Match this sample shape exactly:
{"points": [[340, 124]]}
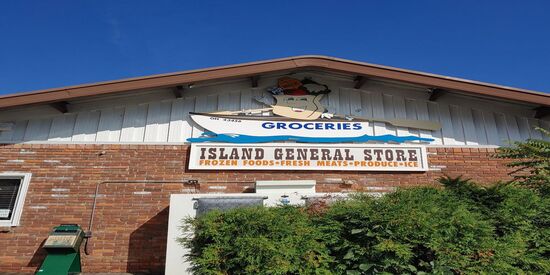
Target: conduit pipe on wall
{"points": [[88, 233]]}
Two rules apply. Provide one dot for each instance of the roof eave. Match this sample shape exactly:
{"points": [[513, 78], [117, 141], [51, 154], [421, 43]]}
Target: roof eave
{"points": [[283, 64]]}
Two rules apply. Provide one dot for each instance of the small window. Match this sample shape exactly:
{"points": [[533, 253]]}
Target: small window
{"points": [[13, 188], [203, 205]]}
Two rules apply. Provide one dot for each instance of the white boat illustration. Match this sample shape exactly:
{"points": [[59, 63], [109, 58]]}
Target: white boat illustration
{"points": [[277, 126], [260, 129], [298, 113]]}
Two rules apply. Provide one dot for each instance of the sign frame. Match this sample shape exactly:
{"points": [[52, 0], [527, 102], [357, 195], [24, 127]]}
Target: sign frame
{"points": [[195, 154]]}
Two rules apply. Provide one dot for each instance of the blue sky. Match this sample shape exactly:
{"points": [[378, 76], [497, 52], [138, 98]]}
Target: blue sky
{"points": [[47, 44]]}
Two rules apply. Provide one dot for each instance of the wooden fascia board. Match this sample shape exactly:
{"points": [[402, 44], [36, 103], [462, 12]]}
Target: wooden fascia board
{"points": [[257, 68], [433, 81], [49, 96]]}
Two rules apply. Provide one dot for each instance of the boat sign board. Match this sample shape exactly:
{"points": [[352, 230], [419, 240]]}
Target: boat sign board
{"points": [[308, 156]]}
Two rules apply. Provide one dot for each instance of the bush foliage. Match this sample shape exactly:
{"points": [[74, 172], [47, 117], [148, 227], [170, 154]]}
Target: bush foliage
{"points": [[257, 240], [460, 229], [532, 160]]}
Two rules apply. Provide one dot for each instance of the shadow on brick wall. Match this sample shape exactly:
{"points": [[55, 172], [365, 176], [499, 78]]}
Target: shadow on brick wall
{"points": [[147, 248], [38, 257]]}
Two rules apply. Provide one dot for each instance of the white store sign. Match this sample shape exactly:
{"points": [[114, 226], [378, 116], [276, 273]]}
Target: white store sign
{"points": [[298, 156]]}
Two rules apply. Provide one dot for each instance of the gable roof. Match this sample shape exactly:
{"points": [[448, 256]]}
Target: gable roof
{"points": [[268, 66]]}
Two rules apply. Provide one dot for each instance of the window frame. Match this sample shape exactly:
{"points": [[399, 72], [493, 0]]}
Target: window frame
{"points": [[21, 194]]}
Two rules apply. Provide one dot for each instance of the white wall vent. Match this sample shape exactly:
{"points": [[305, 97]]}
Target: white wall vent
{"points": [[285, 186]]}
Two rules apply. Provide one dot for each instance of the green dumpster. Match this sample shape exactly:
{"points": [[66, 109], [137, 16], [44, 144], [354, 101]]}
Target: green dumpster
{"points": [[63, 247]]}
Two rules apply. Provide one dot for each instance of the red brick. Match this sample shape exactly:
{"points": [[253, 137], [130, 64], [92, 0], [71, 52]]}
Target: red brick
{"points": [[130, 230]]}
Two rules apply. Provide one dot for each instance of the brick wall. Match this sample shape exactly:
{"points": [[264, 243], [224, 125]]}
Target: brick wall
{"points": [[130, 224]]}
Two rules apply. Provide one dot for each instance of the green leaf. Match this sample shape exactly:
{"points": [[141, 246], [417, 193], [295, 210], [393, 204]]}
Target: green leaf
{"points": [[356, 231], [349, 255], [353, 272], [365, 267]]}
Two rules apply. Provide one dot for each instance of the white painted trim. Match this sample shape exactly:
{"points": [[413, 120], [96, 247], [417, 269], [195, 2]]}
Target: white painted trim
{"points": [[21, 194]]}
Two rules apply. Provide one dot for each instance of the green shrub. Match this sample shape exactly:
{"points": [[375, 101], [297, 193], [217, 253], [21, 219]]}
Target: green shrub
{"points": [[275, 240], [532, 160], [409, 231], [463, 228], [520, 218]]}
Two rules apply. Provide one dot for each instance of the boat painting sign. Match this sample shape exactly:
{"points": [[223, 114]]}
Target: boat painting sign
{"points": [[263, 129], [305, 156], [298, 116]]}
